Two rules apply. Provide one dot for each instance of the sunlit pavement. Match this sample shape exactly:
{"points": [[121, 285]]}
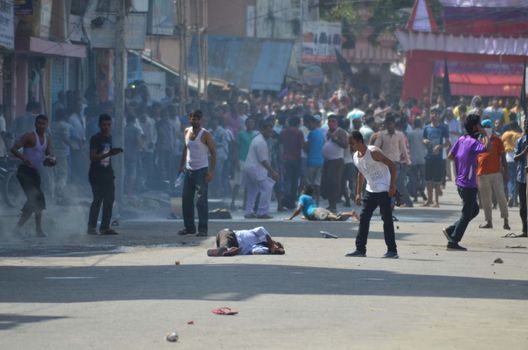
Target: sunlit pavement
{"points": [[71, 290]]}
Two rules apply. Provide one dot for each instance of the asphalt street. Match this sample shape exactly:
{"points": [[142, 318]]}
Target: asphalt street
{"points": [[73, 291]]}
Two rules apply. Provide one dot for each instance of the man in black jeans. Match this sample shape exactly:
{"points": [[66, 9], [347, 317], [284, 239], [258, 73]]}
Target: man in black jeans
{"points": [[465, 153], [101, 176], [521, 152], [198, 172], [380, 173]]}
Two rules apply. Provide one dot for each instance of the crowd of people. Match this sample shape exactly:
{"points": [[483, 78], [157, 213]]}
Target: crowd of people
{"points": [[257, 147]]}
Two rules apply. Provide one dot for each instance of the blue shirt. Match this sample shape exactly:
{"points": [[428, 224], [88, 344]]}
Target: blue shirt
{"points": [[316, 140], [521, 163], [307, 204], [438, 136]]}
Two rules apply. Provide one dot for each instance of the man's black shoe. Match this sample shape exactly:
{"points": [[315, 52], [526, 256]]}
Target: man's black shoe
{"points": [[184, 232], [201, 234], [446, 234], [356, 254], [455, 247], [108, 232], [391, 255]]}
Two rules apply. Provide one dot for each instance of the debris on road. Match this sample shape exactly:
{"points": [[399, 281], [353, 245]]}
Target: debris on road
{"points": [[328, 235], [224, 311], [190, 322], [498, 261], [516, 246], [177, 262], [172, 337]]}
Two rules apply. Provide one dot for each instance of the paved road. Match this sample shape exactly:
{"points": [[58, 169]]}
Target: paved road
{"points": [[74, 291]]}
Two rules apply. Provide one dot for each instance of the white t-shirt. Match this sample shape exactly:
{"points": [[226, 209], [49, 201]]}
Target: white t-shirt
{"points": [[376, 173], [257, 153], [252, 241], [331, 150]]}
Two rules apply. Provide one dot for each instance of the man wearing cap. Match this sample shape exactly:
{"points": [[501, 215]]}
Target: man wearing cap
{"points": [[490, 178]]}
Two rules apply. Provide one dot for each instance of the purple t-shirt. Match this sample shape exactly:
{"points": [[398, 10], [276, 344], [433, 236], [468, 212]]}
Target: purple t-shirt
{"points": [[466, 151]]}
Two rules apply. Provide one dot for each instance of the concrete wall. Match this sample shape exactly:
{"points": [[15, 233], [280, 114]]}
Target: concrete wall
{"points": [[228, 17]]}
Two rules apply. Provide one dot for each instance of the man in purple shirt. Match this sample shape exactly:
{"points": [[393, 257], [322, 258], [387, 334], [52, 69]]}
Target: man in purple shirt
{"points": [[465, 153]]}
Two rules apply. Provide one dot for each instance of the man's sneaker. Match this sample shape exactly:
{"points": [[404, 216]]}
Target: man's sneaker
{"points": [[201, 234], [446, 234], [184, 232], [391, 255], [356, 254], [91, 231], [250, 216], [455, 247]]}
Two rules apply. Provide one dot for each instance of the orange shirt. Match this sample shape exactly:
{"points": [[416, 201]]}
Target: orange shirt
{"points": [[490, 162]]}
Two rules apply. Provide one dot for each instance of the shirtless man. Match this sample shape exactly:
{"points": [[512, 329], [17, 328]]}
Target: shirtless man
{"points": [[36, 153]]}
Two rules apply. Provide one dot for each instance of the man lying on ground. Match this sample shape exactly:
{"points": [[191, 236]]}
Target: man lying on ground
{"points": [[311, 212], [245, 242]]}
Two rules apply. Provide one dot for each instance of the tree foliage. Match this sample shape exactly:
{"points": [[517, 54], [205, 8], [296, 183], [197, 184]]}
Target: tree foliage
{"points": [[387, 15]]}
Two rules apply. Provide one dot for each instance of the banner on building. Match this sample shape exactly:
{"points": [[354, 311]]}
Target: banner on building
{"points": [[135, 30], [7, 25], [23, 7], [320, 41], [162, 17]]}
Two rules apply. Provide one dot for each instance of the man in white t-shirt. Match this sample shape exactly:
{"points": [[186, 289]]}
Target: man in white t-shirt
{"points": [[245, 242], [258, 176]]}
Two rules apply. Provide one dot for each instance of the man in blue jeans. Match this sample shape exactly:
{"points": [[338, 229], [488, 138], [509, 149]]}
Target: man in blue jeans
{"points": [[465, 153], [380, 173], [197, 174]]}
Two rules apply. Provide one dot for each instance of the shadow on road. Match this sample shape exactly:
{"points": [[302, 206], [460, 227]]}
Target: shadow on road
{"points": [[233, 282], [9, 321]]}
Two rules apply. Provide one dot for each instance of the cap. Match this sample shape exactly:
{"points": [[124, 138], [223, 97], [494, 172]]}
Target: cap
{"points": [[487, 123]]}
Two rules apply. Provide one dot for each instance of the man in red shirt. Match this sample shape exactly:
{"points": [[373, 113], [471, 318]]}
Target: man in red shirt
{"points": [[292, 141], [490, 177]]}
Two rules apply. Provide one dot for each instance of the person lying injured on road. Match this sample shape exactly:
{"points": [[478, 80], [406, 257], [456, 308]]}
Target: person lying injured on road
{"points": [[245, 242], [311, 212]]}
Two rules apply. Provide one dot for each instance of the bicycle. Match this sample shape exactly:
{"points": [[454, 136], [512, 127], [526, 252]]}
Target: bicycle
{"points": [[9, 186]]}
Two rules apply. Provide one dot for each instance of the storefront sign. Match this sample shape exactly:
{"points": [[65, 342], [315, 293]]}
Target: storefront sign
{"points": [[23, 7], [7, 25], [320, 40]]}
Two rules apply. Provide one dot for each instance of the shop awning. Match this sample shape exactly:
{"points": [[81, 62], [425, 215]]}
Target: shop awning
{"points": [[48, 47], [193, 78]]}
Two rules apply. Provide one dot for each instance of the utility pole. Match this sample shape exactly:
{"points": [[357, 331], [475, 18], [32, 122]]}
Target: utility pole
{"points": [[182, 21], [119, 99], [198, 30], [205, 21]]}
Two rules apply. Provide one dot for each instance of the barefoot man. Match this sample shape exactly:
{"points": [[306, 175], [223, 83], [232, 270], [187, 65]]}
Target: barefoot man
{"points": [[36, 153]]}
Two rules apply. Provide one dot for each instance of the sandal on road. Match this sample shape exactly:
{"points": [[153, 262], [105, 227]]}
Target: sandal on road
{"points": [[224, 311], [514, 235]]}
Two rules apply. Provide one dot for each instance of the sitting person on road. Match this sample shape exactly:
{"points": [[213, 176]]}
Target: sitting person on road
{"points": [[310, 210], [256, 241]]}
